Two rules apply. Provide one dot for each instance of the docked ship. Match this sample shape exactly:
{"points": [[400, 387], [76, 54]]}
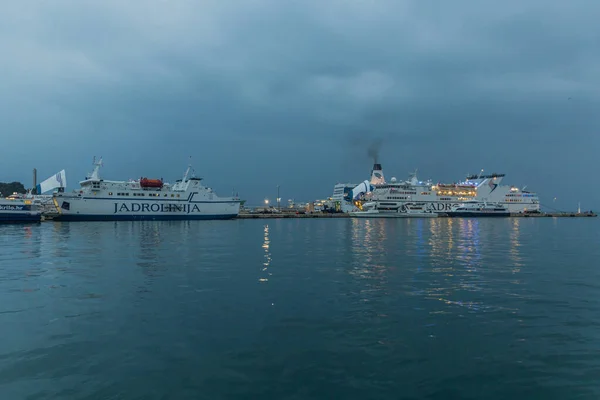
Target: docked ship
{"points": [[16, 210], [143, 199], [408, 210], [440, 197], [476, 208]]}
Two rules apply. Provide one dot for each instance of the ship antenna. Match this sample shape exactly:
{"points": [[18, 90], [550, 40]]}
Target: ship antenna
{"points": [[189, 168]]}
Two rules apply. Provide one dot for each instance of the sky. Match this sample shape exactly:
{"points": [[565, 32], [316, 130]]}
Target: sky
{"points": [[294, 93]]}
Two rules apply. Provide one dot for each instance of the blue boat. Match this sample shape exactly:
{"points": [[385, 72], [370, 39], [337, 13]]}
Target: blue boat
{"points": [[19, 211]]}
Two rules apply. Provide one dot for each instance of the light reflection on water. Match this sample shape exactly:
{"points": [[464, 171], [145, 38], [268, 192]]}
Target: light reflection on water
{"points": [[515, 255], [444, 260], [368, 247], [267, 256]]}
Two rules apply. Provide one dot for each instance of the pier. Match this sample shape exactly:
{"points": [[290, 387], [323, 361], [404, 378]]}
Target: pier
{"points": [[50, 216], [555, 214], [344, 215]]}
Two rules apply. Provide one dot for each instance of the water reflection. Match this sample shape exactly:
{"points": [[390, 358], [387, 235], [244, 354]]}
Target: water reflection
{"points": [[150, 240], [469, 244], [515, 243], [474, 248], [265, 273], [62, 235], [369, 248], [441, 241]]}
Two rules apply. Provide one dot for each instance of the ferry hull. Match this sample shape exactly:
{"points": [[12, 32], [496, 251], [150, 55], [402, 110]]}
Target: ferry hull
{"points": [[96, 217], [96, 209], [15, 211], [370, 214], [15, 218]]}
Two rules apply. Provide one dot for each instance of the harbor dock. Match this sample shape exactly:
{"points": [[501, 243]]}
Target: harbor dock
{"points": [[345, 215], [246, 215]]}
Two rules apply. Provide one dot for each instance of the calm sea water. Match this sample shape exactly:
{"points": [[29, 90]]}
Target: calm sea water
{"points": [[301, 309]]}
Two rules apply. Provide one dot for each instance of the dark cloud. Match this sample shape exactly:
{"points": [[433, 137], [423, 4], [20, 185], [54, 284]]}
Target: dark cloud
{"points": [[266, 92]]}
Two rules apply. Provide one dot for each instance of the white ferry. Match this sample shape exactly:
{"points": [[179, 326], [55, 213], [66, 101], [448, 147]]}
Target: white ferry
{"points": [[143, 199], [478, 209], [15, 210], [440, 197], [408, 210]]}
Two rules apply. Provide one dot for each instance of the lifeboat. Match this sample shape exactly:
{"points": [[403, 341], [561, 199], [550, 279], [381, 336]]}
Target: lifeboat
{"points": [[151, 183]]}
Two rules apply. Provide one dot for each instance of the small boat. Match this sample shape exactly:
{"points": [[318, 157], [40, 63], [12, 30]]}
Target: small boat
{"points": [[409, 210], [17, 210], [478, 209]]}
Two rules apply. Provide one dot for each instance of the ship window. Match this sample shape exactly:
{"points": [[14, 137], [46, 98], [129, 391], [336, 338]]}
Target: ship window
{"points": [[110, 193], [172, 195], [177, 195]]}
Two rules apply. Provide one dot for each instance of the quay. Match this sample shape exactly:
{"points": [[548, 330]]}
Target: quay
{"points": [[555, 214], [345, 215], [291, 215], [50, 216]]}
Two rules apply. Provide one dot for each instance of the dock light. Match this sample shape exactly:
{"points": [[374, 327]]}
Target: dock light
{"points": [[266, 201]]}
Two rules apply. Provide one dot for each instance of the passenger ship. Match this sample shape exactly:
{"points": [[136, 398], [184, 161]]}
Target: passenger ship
{"points": [[438, 197], [143, 199]]}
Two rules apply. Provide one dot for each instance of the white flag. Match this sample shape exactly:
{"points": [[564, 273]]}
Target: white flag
{"points": [[56, 181]]}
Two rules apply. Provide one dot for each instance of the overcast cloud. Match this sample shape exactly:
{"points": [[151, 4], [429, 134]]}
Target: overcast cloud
{"points": [[292, 92]]}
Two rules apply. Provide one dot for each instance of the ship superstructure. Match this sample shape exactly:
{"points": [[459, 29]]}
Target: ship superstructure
{"points": [[341, 191], [143, 199], [441, 197]]}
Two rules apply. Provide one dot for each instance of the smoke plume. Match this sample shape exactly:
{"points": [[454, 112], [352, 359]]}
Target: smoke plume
{"points": [[373, 149]]}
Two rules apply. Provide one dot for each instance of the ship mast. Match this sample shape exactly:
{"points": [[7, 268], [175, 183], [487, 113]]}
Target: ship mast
{"points": [[188, 170], [96, 172]]}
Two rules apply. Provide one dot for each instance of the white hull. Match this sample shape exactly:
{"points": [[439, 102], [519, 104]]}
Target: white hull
{"points": [[378, 214], [445, 206], [94, 209]]}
